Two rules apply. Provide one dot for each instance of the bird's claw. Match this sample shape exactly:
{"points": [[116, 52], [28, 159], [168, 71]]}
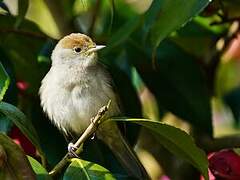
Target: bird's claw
{"points": [[93, 136], [72, 150]]}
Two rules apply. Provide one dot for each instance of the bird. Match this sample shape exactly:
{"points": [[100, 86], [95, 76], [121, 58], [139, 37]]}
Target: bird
{"points": [[75, 88]]}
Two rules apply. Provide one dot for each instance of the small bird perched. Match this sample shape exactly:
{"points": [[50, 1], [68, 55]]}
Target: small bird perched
{"points": [[73, 91]]}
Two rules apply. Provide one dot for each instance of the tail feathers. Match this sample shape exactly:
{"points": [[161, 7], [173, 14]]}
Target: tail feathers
{"points": [[112, 137]]}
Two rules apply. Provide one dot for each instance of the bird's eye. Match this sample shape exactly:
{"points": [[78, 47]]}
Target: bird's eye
{"points": [[77, 49]]}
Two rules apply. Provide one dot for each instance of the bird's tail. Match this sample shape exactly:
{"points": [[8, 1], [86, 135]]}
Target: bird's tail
{"points": [[112, 137]]}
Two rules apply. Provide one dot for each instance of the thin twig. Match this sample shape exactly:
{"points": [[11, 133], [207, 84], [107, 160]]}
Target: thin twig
{"points": [[95, 121]]}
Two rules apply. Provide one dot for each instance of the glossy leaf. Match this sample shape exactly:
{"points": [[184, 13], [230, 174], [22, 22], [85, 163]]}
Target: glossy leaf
{"points": [[176, 141], [80, 169], [13, 160], [4, 81], [172, 14], [22, 10], [39, 170], [21, 121]]}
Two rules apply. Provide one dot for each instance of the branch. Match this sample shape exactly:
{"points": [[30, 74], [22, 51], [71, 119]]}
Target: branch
{"points": [[95, 121], [216, 144], [25, 33]]}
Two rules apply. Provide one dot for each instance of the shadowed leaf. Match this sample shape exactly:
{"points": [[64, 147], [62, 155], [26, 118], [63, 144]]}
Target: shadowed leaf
{"points": [[22, 10], [21, 121], [176, 141], [15, 164]]}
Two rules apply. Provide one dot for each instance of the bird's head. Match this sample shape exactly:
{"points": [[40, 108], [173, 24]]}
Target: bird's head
{"points": [[76, 48]]}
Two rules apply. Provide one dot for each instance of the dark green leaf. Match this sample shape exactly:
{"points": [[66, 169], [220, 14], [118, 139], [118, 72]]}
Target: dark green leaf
{"points": [[39, 170], [21, 121], [176, 141], [172, 15], [22, 10], [196, 39], [122, 34], [14, 163], [121, 71], [4, 81], [177, 82], [5, 124], [50, 137], [80, 169], [27, 37]]}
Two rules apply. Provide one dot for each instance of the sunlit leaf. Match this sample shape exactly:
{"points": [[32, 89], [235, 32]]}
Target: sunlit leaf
{"points": [[4, 81], [80, 169], [176, 141], [21, 121], [14, 162], [39, 170]]}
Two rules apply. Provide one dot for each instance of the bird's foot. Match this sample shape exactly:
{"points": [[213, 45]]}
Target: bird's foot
{"points": [[93, 136], [72, 150]]}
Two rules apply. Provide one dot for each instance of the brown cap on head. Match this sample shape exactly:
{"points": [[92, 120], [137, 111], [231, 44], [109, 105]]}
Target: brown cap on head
{"points": [[75, 39]]}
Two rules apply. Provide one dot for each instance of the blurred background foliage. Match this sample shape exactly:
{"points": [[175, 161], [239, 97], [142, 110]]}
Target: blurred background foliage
{"points": [[172, 61]]}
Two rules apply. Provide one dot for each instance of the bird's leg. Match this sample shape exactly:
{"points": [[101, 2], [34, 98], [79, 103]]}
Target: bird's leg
{"points": [[72, 150]]}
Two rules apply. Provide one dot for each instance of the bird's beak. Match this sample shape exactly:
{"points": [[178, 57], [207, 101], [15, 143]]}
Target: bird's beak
{"points": [[96, 48]]}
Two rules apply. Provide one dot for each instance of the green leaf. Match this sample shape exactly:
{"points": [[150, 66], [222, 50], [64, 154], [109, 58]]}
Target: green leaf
{"points": [[39, 170], [195, 39], [172, 15], [122, 34], [176, 141], [5, 124], [22, 10], [21, 121], [177, 82], [14, 163], [80, 169], [4, 81], [16, 47]]}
